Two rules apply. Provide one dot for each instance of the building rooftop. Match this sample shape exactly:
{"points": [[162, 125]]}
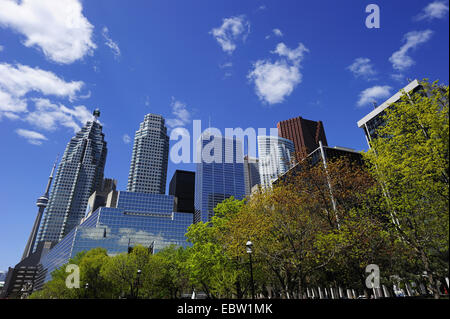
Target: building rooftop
{"points": [[411, 86]]}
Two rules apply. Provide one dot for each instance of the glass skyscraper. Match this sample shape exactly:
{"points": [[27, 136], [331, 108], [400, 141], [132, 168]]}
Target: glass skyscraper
{"points": [[275, 158], [251, 173], [219, 174], [135, 219], [148, 169], [79, 174]]}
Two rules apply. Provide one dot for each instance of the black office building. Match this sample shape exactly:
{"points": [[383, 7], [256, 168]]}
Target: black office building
{"points": [[21, 279], [182, 186], [323, 154]]}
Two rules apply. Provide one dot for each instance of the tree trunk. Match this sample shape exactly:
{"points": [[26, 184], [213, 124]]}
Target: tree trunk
{"points": [[431, 281]]}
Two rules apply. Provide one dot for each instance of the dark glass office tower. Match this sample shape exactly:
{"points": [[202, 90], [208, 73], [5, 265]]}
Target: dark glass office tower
{"points": [[79, 174], [305, 134], [219, 175], [182, 187], [148, 169]]}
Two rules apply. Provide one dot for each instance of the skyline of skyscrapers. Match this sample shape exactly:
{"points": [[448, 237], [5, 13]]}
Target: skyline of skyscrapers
{"points": [[148, 169], [80, 173], [118, 220]]}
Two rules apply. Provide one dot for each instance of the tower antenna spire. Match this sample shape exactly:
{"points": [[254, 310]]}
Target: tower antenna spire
{"points": [[42, 203], [96, 114]]}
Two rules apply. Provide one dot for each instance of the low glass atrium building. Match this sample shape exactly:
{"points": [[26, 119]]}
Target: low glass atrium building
{"points": [[137, 219]]}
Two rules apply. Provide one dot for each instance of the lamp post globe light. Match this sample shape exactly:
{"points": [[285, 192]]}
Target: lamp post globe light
{"points": [[249, 248]]}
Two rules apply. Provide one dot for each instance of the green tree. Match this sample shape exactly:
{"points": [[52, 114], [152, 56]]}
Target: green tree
{"points": [[210, 268], [410, 160], [56, 288], [94, 285], [121, 271], [175, 278]]}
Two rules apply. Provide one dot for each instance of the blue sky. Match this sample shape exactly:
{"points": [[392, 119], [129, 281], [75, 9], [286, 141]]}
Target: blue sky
{"points": [[234, 63]]}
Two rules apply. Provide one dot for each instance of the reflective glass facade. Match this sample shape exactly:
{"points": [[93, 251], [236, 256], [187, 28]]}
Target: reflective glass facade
{"points": [[275, 158], [79, 174], [251, 173], [139, 218], [219, 175]]}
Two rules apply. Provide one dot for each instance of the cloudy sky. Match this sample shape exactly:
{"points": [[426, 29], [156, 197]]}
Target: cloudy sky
{"points": [[231, 63]]}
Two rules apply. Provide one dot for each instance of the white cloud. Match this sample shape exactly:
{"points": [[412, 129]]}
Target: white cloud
{"points": [[18, 81], [398, 77], [231, 30], [10, 103], [57, 27], [226, 65], [294, 55], [371, 95], [362, 67], [434, 10], [32, 137], [400, 59], [21, 79], [49, 116], [274, 81], [182, 115], [126, 138], [1, 48], [262, 7], [85, 96], [277, 32], [110, 43]]}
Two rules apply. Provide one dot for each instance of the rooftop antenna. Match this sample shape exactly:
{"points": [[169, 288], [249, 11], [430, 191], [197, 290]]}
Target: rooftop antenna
{"points": [[375, 105], [96, 114]]}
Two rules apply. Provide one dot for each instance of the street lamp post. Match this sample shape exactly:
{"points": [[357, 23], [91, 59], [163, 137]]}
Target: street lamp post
{"points": [[137, 285], [249, 246], [86, 287]]}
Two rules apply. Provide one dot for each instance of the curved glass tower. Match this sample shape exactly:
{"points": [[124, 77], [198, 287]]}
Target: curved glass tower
{"points": [[275, 158]]}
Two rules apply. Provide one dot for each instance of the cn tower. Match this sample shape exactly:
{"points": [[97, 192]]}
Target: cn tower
{"points": [[42, 204]]}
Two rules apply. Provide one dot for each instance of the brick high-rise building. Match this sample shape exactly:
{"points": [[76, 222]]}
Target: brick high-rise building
{"points": [[305, 134]]}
